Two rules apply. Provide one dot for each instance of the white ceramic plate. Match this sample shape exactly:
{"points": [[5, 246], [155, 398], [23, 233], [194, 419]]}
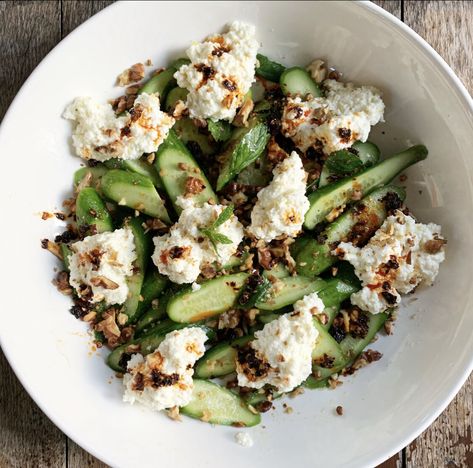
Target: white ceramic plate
{"points": [[388, 403]]}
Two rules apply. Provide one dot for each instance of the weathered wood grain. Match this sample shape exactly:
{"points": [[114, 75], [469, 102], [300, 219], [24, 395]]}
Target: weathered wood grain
{"points": [[27, 438], [448, 27]]}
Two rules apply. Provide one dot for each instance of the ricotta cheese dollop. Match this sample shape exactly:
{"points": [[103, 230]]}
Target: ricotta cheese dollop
{"points": [[281, 354], [221, 72], [163, 379], [99, 134], [244, 439], [345, 115], [184, 251], [281, 206], [401, 255], [101, 264]]}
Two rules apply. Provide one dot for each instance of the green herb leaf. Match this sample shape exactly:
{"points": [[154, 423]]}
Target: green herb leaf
{"points": [[343, 163], [225, 215], [220, 130], [268, 69], [249, 149], [220, 238]]}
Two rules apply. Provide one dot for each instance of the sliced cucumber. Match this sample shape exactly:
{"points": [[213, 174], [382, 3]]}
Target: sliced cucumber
{"points": [[153, 285], [147, 343], [176, 94], [95, 172], [139, 166], [335, 291], [214, 297], [153, 315], [268, 69], [278, 271], [340, 193], [296, 81], [356, 225], [251, 295], [65, 252], [244, 147], [217, 405], [220, 360], [368, 152], [135, 281], [175, 165], [160, 84], [190, 135], [288, 290], [91, 211], [135, 191]]}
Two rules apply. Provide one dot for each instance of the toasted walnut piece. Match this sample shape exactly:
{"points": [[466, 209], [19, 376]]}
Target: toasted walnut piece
{"points": [[287, 409], [193, 186], [296, 392], [334, 382], [108, 326], [131, 75], [62, 283], [335, 213], [173, 413], [229, 319], [317, 70], [206, 416], [103, 282], [90, 317], [434, 246], [208, 272], [52, 247], [339, 410], [85, 182], [241, 118], [122, 319], [180, 110], [151, 157]]}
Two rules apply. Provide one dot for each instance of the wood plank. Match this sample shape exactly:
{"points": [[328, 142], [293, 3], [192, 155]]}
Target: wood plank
{"points": [[447, 27], [27, 437]]}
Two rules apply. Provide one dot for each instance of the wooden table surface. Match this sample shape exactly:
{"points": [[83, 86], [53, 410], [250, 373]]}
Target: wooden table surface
{"points": [[29, 29]]}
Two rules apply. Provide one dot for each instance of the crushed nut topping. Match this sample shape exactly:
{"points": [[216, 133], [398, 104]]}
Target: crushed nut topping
{"points": [[131, 75]]}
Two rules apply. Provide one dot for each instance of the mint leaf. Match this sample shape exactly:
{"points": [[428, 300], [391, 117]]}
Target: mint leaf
{"points": [[220, 130], [225, 215], [343, 163], [220, 238], [250, 147]]}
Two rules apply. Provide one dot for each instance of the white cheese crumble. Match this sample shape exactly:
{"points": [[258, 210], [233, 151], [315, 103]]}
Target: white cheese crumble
{"points": [[195, 286], [163, 379], [184, 251], [400, 256], [335, 121], [103, 262], [221, 72], [244, 439], [99, 134], [310, 303], [281, 206], [284, 349]]}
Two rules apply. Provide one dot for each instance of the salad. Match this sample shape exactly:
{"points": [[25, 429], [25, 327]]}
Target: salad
{"points": [[233, 236]]}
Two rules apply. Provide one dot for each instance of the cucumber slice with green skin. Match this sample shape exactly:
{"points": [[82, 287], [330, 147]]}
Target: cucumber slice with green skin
{"points": [[335, 291], [251, 295], [160, 84], [356, 225], [153, 315], [136, 165], [175, 165], [327, 353], [91, 211], [153, 285], [289, 290], [147, 343], [340, 193], [220, 360], [65, 252], [219, 406], [190, 135], [278, 271], [135, 191], [366, 153], [245, 146], [312, 383], [298, 245], [268, 69], [179, 62], [213, 298], [176, 94], [96, 174], [135, 281], [296, 81]]}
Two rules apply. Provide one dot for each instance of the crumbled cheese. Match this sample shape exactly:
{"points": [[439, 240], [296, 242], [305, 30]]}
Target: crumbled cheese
{"points": [[244, 439], [195, 286], [401, 255], [284, 351], [163, 379], [103, 262], [221, 72], [310, 303], [184, 251], [335, 121], [99, 134], [281, 206]]}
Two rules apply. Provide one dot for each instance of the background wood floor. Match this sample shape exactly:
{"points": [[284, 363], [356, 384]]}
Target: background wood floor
{"points": [[28, 30]]}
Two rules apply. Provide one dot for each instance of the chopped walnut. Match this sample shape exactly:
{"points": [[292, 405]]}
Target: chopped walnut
{"points": [[317, 70], [229, 319], [206, 416], [90, 317], [434, 246], [173, 413], [180, 110], [275, 153], [62, 283], [241, 118], [109, 327], [335, 213], [104, 282], [339, 410], [122, 318], [131, 75], [52, 247], [193, 186]]}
